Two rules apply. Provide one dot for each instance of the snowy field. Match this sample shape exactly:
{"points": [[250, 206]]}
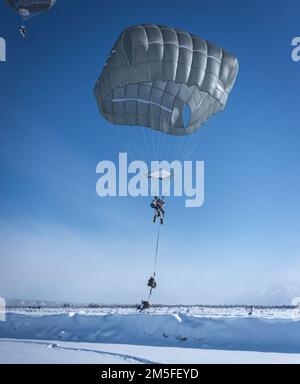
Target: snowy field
{"points": [[166, 335], [41, 352], [197, 310]]}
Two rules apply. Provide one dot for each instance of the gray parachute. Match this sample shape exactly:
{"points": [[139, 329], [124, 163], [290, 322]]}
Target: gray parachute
{"points": [[154, 74], [29, 8]]}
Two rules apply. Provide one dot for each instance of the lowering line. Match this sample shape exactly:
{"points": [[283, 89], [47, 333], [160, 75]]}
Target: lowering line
{"points": [[155, 259], [156, 250]]}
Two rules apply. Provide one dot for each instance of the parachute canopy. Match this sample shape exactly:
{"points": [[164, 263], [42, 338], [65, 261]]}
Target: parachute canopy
{"points": [[156, 76], [29, 8]]}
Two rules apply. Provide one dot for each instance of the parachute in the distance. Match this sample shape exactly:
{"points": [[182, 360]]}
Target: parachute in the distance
{"points": [[29, 8], [155, 76]]}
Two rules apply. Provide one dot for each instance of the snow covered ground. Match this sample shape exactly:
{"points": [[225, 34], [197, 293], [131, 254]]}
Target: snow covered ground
{"points": [[42, 352], [191, 336], [196, 310]]}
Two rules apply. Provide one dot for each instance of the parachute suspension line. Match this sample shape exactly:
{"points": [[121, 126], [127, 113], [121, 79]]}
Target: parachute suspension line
{"points": [[181, 146], [147, 146], [141, 139], [131, 142], [158, 149], [144, 146], [126, 145], [117, 133], [155, 145], [194, 146], [129, 149], [201, 135], [137, 144], [194, 142], [191, 138]]}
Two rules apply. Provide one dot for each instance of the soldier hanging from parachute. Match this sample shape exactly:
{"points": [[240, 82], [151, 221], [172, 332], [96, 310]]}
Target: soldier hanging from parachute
{"points": [[154, 74], [29, 8]]}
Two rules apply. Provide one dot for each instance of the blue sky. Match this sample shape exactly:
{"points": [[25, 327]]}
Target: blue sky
{"points": [[59, 241]]}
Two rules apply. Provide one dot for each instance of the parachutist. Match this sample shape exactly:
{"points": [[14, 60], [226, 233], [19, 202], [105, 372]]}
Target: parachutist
{"points": [[152, 283], [251, 311], [144, 305], [29, 8], [23, 32], [158, 205]]}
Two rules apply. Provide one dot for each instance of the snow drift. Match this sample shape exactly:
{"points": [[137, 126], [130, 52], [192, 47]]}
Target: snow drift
{"points": [[230, 333]]}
